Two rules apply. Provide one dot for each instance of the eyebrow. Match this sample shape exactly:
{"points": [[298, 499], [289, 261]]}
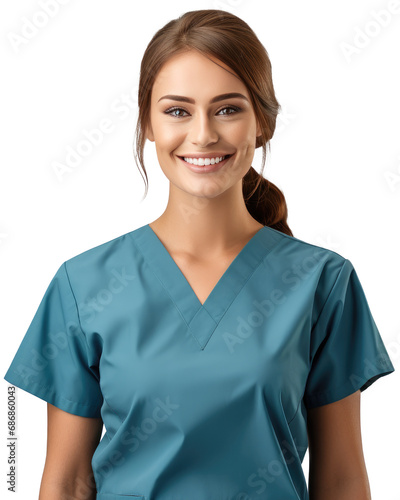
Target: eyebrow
{"points": [[217, 98]]}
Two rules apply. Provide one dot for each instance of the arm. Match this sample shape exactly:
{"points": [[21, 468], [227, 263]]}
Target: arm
{"points": [[336, 467], [71, 442]]}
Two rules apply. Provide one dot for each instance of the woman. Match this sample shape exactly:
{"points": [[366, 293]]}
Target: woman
{"points": [[213, 344]]}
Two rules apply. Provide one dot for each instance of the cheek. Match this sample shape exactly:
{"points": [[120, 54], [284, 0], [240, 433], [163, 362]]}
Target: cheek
{"points": [[168, 139], [242, 135]]}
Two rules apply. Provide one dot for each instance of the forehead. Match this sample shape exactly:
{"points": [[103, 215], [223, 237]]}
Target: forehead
{"points": [[194, 75]]}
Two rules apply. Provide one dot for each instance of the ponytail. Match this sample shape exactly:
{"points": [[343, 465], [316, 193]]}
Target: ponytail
{"points": [[265, 201]]}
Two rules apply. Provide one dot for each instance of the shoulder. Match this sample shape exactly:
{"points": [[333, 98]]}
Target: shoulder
{"points": [[289, 252], [313, 274], [107, 257]]}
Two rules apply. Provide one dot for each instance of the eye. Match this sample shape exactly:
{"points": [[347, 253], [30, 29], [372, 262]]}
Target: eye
{"points": [[234, 108], [170, 111]]}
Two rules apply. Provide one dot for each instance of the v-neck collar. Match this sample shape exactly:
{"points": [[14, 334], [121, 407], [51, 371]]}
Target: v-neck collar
{"points": [[202, 319]]}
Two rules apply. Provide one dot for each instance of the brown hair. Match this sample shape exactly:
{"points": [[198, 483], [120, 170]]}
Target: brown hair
{"points": [[229, 39]]}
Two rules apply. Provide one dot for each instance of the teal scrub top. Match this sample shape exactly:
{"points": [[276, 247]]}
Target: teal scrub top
{"points": [[200, 401]]}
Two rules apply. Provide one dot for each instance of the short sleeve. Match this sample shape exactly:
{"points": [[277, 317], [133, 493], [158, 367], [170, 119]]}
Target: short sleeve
{"points": [[350, 353], [52, 359]]}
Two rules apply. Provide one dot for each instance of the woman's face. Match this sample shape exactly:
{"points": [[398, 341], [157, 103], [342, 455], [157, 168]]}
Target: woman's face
{"points": [[201, 128]]}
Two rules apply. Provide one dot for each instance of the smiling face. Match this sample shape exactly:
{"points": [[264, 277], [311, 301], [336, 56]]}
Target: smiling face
{"points": [[192, 117]]}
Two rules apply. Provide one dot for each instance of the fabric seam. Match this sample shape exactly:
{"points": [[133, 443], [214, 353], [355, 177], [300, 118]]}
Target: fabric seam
{"points": [[295, 413], [75, 302], [327, 298], [313, 328], [262, 262], [166, 290]]}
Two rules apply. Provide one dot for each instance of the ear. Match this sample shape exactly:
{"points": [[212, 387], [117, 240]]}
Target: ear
{"points": [[258, 130], [149, 133]]}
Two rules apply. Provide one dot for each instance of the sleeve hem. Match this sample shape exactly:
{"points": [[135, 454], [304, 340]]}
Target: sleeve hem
{"points": [[351, 386], [50, 396]]}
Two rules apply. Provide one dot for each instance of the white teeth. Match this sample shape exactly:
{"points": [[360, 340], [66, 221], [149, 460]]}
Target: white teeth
{"points": [[204, 161]]}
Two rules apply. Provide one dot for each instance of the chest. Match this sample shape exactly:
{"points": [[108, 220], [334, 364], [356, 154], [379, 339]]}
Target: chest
{"points": [[203, 276]]}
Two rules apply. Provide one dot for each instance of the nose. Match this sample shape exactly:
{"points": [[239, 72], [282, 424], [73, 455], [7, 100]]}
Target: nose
{"points": [[202, 131]]}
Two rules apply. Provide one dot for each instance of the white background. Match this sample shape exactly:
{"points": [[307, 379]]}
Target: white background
{"points": [[335, 156]]}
